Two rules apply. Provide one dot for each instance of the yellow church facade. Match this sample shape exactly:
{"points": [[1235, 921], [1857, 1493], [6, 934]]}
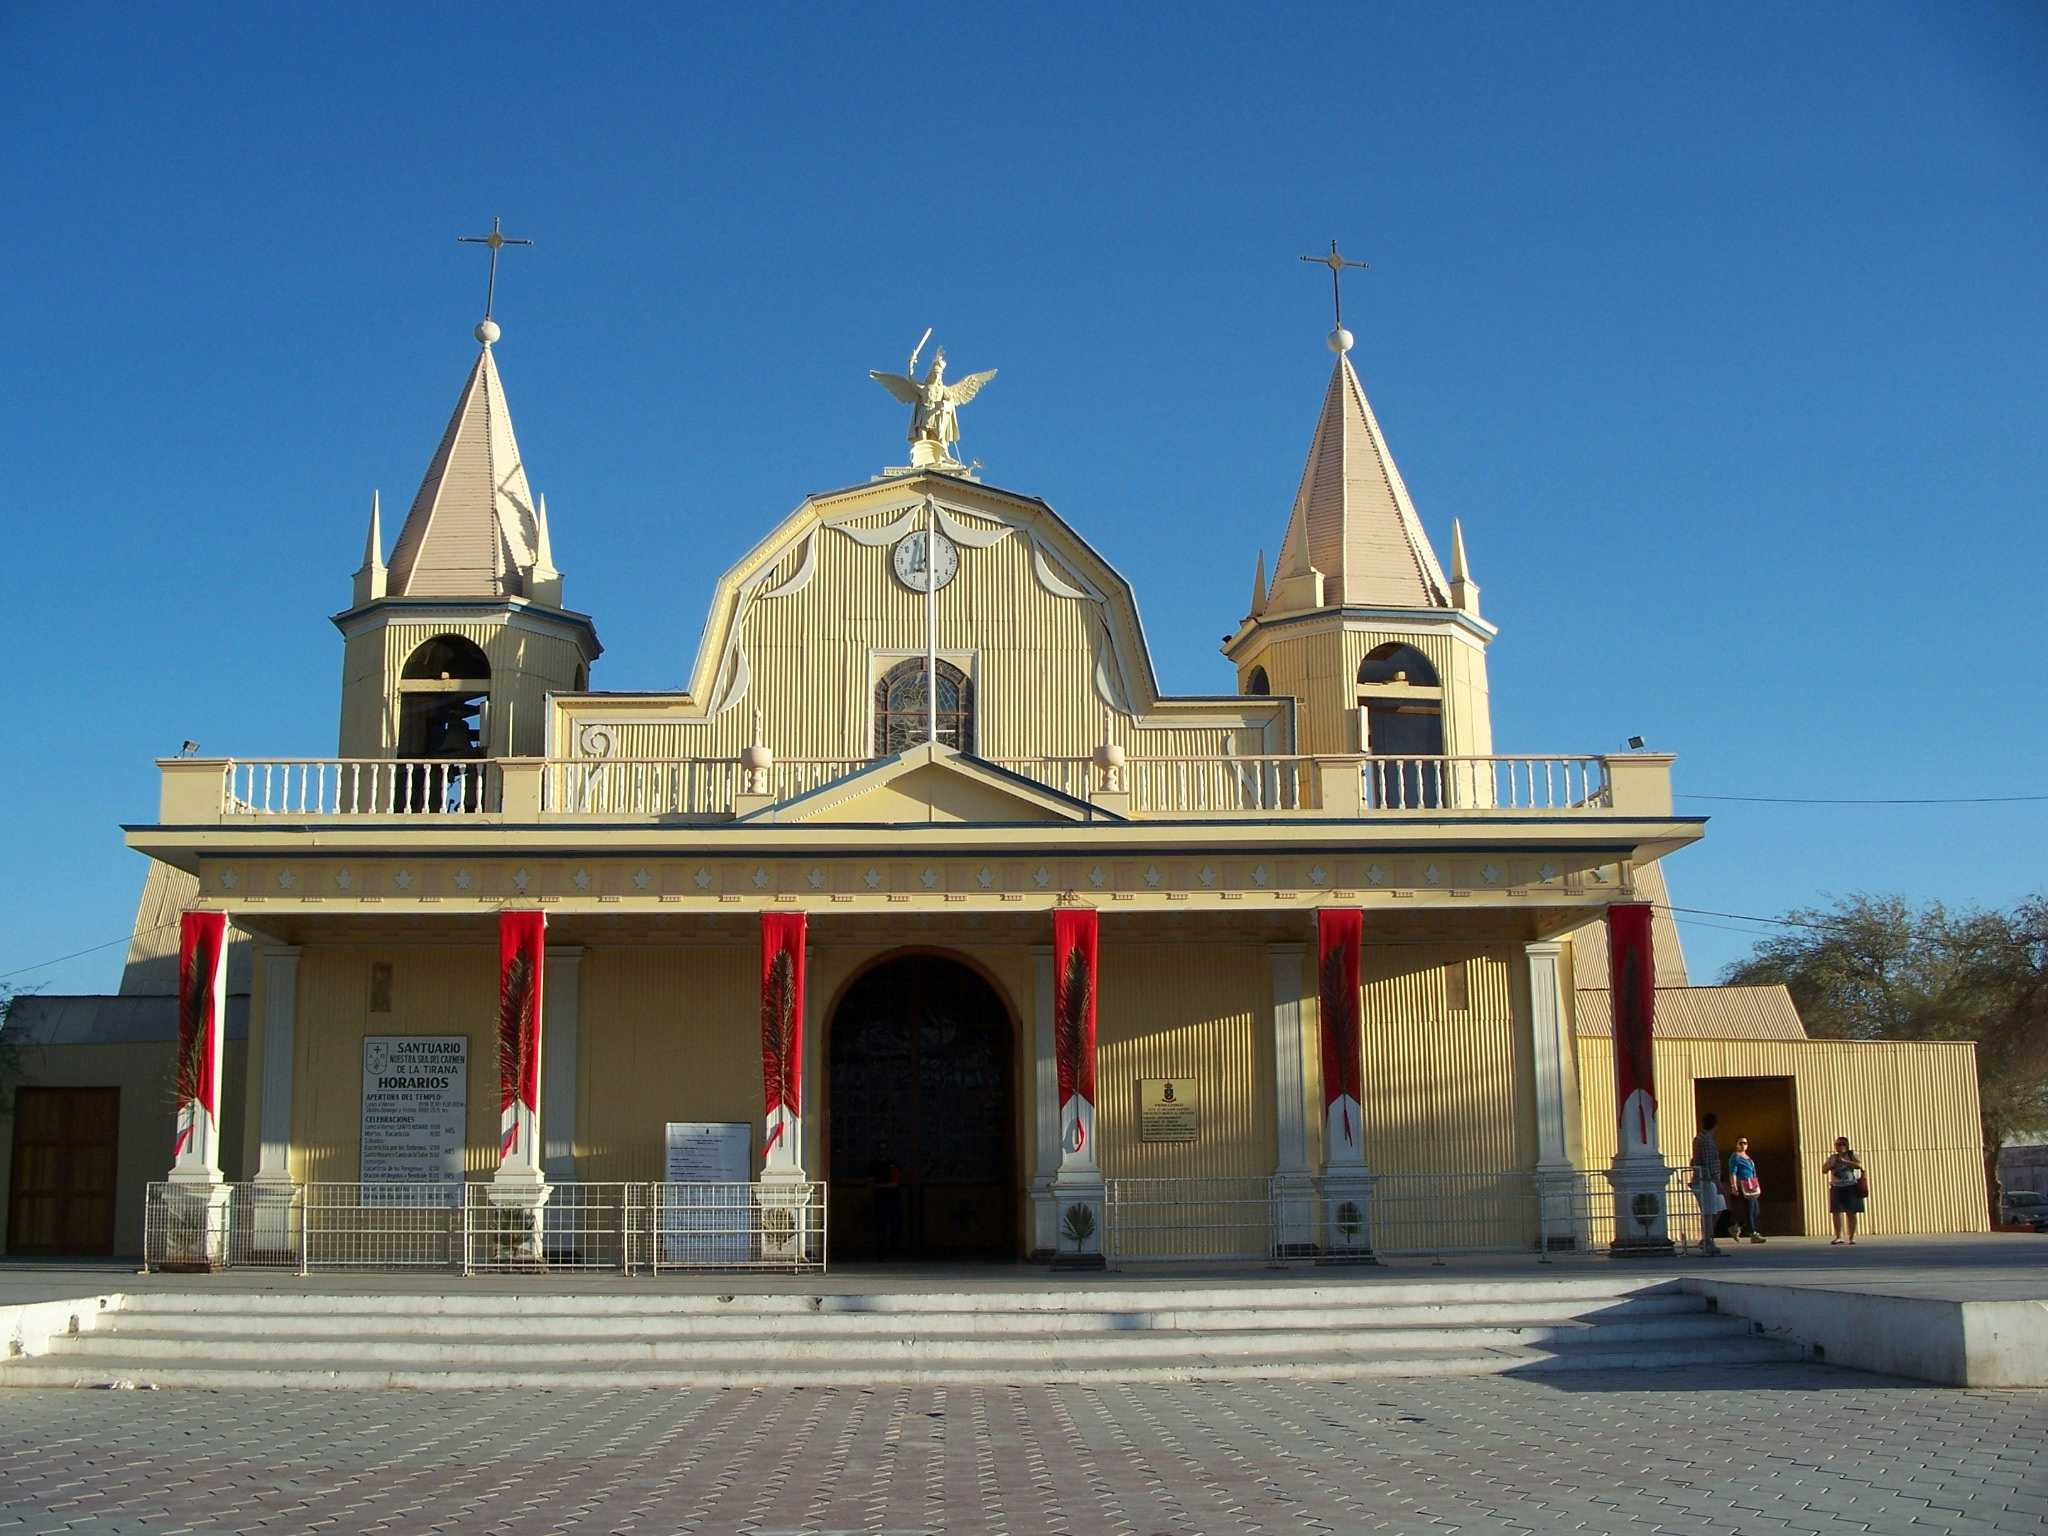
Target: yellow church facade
{"points": [[977, 942]]}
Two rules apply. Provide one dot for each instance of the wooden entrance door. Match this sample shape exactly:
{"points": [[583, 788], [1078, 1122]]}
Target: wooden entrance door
{"points": [[919, 1100], [66, 1149]]}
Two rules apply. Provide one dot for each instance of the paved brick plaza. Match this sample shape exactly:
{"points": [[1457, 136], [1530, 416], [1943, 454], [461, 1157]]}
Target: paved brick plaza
{"points": [[1775, 1449]]}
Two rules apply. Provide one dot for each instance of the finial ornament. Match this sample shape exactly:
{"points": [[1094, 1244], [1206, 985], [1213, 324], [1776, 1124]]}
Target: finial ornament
{"points": [[934, 406], [496, 240], [1337, 261]]}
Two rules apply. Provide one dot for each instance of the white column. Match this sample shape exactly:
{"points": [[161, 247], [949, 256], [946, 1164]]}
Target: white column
{"points": [[1294, 1177], [270, 1199], [561, 982], [1045, 1106], [1557, 1180], [280, 1027]]}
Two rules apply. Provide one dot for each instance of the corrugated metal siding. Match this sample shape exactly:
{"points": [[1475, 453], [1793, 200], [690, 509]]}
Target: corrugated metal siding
{"points": [[1909, 1109], [445, 989], [663, 1033], [1447, 1092], [811, 677], [1196, 1010], [1704, 1013]]}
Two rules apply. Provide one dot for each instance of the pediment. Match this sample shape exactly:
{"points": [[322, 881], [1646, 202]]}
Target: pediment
{"points": [[929, 784]]}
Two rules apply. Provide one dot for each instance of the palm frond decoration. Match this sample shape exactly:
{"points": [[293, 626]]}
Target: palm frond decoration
{"points": [[515, 1036], [1340, 1002], [195, 991], [778, 1031], [1070, 1025]]}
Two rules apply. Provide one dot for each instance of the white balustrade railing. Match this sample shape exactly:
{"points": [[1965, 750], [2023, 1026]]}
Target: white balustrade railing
{"points": [[637, 787], [359, 786], [711, 787], [795, 776], [1226, 786], [1483, 783]]}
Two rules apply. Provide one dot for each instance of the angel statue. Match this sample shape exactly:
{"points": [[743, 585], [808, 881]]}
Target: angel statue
{"points": [[934, 404]]}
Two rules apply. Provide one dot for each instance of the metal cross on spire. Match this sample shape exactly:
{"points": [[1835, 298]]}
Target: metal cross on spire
{"points": [[497, 240], [1336, 261]]}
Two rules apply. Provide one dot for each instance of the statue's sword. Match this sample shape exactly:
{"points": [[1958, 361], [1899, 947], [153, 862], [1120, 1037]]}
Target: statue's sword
{"points": [[911, 368]]}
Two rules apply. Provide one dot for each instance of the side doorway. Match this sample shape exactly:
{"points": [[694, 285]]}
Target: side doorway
{"points": [[1766, 1110], [60, 1197]]}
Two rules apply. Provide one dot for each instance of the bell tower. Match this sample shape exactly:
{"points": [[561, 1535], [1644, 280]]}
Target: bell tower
{"points": [[451, 650], [1381, 653]]}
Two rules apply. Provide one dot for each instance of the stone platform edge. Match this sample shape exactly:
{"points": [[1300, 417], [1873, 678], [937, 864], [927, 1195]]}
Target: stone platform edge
{"points": [[1950, 1343], [26, 1328]]}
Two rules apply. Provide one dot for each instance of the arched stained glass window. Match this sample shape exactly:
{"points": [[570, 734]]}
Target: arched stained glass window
{"points": [[901, 717]]}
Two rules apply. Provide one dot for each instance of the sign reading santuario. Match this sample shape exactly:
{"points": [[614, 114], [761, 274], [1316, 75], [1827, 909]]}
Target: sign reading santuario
{"points": [[415, 1108]]}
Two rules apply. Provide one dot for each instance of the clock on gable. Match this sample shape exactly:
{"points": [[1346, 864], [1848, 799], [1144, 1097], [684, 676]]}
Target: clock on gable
{"points": [[909, 560]]}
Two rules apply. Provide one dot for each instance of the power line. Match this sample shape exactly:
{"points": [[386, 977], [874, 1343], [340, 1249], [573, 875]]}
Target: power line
{"points": [[1686, 794], [90, 949]]}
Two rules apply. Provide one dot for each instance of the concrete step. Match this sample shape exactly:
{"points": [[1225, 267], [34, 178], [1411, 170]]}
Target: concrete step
{"points": [[569, 1320], [287, 1372], [603, 1294], [934, 1343]]}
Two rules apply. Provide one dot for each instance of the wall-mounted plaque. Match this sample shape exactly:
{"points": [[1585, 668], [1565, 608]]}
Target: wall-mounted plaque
{"points": [[1167, 1109], [415, 1113]]}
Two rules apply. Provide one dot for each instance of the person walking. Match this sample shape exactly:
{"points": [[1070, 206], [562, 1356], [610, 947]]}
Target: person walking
{"points": [[1847, 1188], [1744, 1185], [1706, 1183]]}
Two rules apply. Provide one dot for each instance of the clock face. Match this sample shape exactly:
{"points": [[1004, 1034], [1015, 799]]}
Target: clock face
{"points": [[910, 562]]}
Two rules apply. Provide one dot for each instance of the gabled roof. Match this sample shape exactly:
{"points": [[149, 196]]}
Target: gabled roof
{"points": [[472, 531], [1352, 518], [932, 783]]}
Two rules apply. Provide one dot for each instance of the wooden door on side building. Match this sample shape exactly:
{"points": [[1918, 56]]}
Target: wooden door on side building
{"points": [[60, 1198]]}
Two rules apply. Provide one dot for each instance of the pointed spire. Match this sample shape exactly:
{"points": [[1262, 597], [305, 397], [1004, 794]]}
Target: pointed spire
{"points": [[1464, 590], [372, 578], [1353, 524], [544, 582], [472, 530], [1259, 587]]}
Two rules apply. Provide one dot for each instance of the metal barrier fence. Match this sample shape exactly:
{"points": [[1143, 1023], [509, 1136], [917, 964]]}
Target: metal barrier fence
{"points": [[471, 1228], [1406, 1215], [736, 1226]]}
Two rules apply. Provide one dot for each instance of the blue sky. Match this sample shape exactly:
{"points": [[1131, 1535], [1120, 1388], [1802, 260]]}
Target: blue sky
{"points": [[1721, 328]]}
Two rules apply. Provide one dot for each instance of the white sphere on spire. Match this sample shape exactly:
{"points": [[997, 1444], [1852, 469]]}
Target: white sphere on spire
{"points": [[487, 331], [1340, 340]]}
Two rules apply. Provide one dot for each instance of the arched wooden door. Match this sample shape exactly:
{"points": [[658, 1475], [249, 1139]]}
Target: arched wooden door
{"points": [[919, 1098]]}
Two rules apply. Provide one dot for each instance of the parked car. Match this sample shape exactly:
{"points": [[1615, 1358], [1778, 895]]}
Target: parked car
{"points": [[2024, 1208]]}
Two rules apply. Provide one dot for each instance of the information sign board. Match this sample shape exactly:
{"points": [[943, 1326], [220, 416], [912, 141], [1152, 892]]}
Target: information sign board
{"points": [[708, 1210], [415, 1113]]}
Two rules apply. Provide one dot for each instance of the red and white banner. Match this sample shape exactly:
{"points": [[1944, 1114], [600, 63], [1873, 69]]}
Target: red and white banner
{"points": [[1632, 979], [1073, 1029], [782, 1037], [1340, 933], [522, 946], [202, 1006]]}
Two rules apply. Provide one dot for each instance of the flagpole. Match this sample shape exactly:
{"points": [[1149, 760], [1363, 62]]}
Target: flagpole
{"points": [[931, 620]]}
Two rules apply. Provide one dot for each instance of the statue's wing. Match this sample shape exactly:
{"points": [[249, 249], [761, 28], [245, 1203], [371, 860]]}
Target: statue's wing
{"points": [[963, 390], [903, 389]]}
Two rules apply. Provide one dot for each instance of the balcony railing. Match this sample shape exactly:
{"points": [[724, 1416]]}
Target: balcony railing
{"points": [[717, 789]]}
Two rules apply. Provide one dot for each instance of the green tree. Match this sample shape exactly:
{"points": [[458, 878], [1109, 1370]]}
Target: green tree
{"points": [[1877, 968]]}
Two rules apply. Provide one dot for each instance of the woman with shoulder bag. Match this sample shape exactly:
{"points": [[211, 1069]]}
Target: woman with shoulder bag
{"points": [[1744, 1184], [1847, 1189]]}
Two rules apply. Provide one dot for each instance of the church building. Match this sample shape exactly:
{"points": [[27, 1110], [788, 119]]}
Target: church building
{"points": [[923, 916]]}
